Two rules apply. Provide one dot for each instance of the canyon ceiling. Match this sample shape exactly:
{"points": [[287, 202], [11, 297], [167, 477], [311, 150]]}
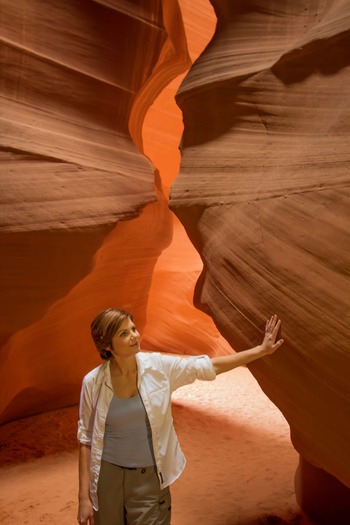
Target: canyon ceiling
{"points": [[253, 162]]}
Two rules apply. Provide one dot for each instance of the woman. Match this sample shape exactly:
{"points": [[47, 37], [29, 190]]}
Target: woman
{"points": [[129, 452]]}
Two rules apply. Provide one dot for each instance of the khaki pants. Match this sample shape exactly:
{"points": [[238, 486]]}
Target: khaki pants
{"points": [[131, 497]]}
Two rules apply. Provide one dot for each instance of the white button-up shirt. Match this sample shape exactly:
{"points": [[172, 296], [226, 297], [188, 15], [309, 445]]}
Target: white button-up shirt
{"points": [[158, 376]]}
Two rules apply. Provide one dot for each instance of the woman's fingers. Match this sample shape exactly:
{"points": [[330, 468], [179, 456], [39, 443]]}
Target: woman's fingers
{"points": [[277, 327], [279, 343], [271, 324]]}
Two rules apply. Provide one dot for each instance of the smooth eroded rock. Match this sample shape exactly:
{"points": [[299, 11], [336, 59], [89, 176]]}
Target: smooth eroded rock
{"points": [[263, 194]]}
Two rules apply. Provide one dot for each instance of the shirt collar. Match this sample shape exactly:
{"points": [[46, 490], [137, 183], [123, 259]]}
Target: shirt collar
{"points": [[143, 363], [104, 374]]}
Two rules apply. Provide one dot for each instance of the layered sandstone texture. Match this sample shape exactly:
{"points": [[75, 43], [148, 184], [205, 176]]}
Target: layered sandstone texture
{"points": [[89, 137], [264, 196], [88, 151]]}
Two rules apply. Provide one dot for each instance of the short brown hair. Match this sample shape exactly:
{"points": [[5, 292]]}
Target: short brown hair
{"points": [[104, 326]]}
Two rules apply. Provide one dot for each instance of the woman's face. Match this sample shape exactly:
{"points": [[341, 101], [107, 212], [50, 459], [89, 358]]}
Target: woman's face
{"points": [[126, 340]]}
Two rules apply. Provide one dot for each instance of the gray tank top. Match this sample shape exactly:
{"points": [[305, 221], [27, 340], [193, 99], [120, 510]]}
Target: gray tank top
{"points": [[128, 436]]}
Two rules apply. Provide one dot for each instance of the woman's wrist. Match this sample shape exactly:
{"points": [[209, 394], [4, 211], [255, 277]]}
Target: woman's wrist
{"points": [[262, 350], [83, 498]]}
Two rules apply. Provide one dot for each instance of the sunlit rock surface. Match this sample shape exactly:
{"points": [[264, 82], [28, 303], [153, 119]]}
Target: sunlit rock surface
{"points": [[264, 195], [77, 80], [88, 152]]}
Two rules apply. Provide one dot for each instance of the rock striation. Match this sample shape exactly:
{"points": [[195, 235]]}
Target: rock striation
{"points": [[263, 193], [77, 80]]}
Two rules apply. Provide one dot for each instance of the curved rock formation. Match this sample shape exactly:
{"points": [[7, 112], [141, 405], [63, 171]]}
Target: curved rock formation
{"points": [[76, 75], [263, 194], [76, 237]]}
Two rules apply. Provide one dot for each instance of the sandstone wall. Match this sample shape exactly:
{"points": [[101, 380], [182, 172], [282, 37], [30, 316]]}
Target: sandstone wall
{"points": [[77, 80], [89, 149], [264, 195]]}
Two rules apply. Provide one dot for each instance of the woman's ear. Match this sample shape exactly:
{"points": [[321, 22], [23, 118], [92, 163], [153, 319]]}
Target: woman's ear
{"points": [[108, 350]]}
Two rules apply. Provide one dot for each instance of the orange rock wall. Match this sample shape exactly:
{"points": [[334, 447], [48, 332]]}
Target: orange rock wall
{"points": [[89, 149], [84, 216]]}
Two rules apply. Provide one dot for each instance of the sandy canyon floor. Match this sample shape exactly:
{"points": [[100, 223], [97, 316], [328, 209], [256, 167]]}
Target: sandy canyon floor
{"points": [[240, 462]]}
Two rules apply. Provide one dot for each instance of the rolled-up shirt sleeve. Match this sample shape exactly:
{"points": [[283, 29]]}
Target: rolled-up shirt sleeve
{"points": [[185, 370], [85, 423]]}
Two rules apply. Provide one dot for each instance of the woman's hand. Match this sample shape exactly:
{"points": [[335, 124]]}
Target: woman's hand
{"points": [[269, 344], [85, 513]]}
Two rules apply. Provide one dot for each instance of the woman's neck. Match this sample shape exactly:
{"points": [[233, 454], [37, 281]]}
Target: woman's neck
{"points": [[123, 366]]}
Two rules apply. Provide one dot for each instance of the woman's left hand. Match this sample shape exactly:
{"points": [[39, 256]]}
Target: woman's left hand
{"points": [[269, 344]]}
